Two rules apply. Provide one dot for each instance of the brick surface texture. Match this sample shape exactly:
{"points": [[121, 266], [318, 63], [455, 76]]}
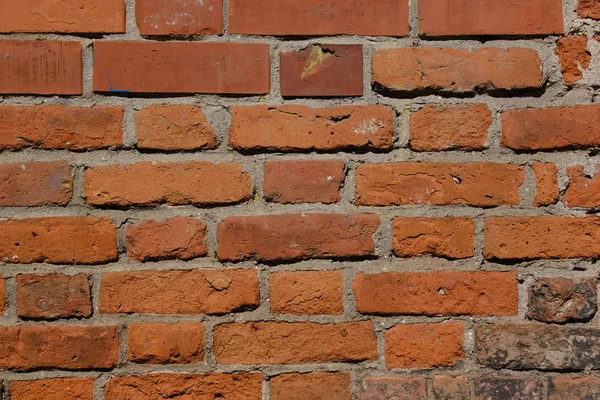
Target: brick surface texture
{"points": [[299, 199]]}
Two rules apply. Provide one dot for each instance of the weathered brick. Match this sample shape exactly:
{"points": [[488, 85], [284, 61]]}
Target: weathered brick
{"points": [[442, 237], [588, 9], [311, 386], [236, 386], [437, 293], [306, 292], [296, 237], [179, 292], [59, 127], [543, 347], [450, 127], [26, 348], [322, 70], [179, 238], [73, 16], [310, 181], [572, 51], [583, 189], [301, 128], [490, 17], [173, 183], [53, 389], [563, 300], [294, 342], [179, 17], [424, 345], [58, 240], [546, 184], [574, 388], [314, 18], [21, 70], [35, 183], [529, 238], [551, 128], [451, 388], [426, 69], [508, 387], [393, 388], [2, 298], [411, 183], [181, 67], [53, 296], [173, 128], [163, 343]]}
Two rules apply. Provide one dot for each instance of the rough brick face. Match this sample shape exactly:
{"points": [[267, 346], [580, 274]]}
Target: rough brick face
{"points": [[162, 343], [306, 292], [504, 387], [400, 388], [574, 57], [583, 190], [588, 9], [35, 184], [316, 385], [53, 389], [546, 184], [451, 387], [179, 17], [573, 387], [563, 300]]}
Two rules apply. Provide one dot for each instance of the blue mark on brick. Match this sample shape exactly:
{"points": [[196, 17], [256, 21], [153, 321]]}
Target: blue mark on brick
{"points": [[112, 89]]}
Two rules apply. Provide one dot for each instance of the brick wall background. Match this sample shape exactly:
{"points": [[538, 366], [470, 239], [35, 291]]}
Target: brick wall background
{"points": [[299, 200]]}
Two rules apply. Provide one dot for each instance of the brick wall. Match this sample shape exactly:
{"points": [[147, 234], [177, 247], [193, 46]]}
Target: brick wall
{"points": [[299, 200]]}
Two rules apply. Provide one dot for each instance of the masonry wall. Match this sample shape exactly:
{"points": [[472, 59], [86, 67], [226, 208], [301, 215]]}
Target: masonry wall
{"points": [[299, 200]]}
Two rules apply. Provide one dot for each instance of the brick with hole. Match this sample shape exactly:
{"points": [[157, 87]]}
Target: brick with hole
{"points": [[29, 348], [311, 386], [165, 343], [179, 17], [21, 71], [476, 293], [211, 291], [173, 128], [410, 183], [35, 184], [450, 127], [574, 56], [53, 296], [150, 184], [582, 191], [376, 388], [290, 237], [450, 387], [52, 389], [321, 70], [60, 127], [307, 181], [294, 342], [546, 184], [451, 238], [58, 240], [306, 292], [560, 300], [178, 238], [508, 387], [288, 128], [573, 387]]}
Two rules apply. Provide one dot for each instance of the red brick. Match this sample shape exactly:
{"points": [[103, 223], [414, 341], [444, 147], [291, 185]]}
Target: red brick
{"points": [[573, 387], [294, 342], [311, 386], [561, 300], [508, 387], [179, 17], [453, 127], [437, 70], [181, 67], [451, 387], [26, 348], [35, 184], [314, 18], [53, 389], [588, 9], [307, 292], [40, 67], [442, 184], [424, 345], [582, 190], [546, 184], [173, 128], [574, 57], [300, 128], [441, 237], [490, 17], [163, 343], [179, 238], [58, 240], [154, 183], [58, 127], [437, 293], [73, 16], [235, 386], [322, 70], [393, 388], [292, 182], [216, 291], [2, 299], [53, 296], [296, 237], [529, 238], [551, 128]]}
